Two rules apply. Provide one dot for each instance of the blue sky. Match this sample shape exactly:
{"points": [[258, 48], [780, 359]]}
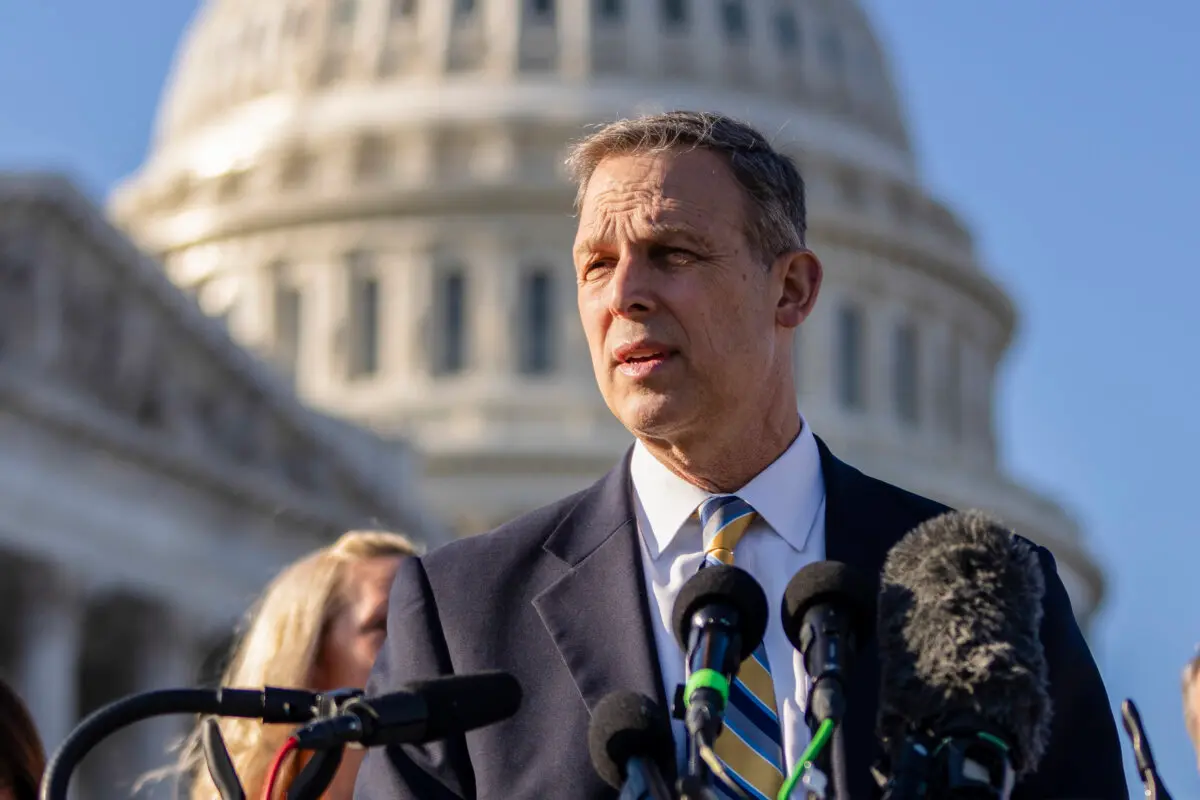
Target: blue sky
{"points": [[1066, 134]]}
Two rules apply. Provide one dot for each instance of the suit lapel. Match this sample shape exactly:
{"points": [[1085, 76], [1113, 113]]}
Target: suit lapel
{"points": [[860, 529], [598, 613], [855, 533]]}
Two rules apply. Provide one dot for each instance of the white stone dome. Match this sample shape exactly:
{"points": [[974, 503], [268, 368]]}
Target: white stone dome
{"points": [[371, 193], [773, 59]]}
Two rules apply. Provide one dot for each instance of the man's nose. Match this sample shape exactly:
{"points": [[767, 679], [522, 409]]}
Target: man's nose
{"points": [[631, 290]]}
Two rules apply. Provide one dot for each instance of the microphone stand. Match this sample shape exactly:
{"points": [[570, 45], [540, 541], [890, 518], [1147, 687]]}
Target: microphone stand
{"points": [[1146, 767], [696, 782], [220, 765], [643, 781]]}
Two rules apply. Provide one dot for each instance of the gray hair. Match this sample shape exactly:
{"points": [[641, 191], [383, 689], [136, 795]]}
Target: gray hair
{"points": [[774, 189]]}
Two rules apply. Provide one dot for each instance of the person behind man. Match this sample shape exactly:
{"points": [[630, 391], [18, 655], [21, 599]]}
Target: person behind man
{"points": [[692, 276], [318, 625], [22, 756], [1191, 702]]}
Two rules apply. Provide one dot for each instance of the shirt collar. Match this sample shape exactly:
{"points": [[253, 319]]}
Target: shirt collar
{"points": [[787, 494]]}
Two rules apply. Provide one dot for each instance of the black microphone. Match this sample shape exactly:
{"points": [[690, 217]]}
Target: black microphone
{"points": [[719, 619], [421, 712], [1142, 755], [828, 612], [964, 709], [631, 745]]}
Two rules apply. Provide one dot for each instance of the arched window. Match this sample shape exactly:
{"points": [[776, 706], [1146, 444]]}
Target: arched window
{"points": [[364, 316], [733, 19], [450, 322], [905, 374], [537, 323], [674, 13], [851, 358], [288, 302]]}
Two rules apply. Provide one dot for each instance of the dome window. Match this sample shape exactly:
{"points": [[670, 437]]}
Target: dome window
{"points": [[905, 384], [364, 317], [464, 8], [733, 15], [288, 308], [449, 343], [542, 10], [609, 10], [787, 30], [537, 323], [344, 12], [403, 9], [851, 361], [833, 50], [674, 13]]}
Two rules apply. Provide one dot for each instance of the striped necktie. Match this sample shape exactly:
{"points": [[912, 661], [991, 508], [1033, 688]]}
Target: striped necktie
{"points": [[751, 742]]}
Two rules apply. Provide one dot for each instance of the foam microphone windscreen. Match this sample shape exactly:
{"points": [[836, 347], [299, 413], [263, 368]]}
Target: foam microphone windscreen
{"points": [[960, 609], [628, 725], [724, 585], [834, 583]]}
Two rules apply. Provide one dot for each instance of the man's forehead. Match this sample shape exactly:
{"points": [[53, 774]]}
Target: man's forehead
{"points": [[668, 193], [670, 174]]}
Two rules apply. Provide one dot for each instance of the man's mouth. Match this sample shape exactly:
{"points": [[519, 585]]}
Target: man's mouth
{"points": [[641, 359]]}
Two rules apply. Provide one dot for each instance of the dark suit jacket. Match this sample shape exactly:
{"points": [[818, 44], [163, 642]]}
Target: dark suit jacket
{"points": [[558, 599]]}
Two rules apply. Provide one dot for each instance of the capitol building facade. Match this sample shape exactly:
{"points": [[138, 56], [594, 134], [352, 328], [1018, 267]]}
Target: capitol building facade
{"points": [[370, 194]]}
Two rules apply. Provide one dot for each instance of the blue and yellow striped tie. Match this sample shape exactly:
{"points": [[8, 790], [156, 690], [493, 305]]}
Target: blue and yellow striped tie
{"points": [[751, 743]]}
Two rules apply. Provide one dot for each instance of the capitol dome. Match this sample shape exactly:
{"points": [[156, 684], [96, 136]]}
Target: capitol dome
{"points": [[371, 194]]}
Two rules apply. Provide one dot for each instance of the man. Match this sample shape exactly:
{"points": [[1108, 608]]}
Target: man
{"points": [[1191, 702], [692, 276]]}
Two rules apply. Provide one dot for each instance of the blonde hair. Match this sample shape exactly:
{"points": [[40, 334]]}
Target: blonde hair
{"points": [[280, 645]]}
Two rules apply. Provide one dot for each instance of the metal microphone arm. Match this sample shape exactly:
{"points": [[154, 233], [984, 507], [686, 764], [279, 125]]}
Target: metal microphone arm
{"points": [[1146, 767], [220, 765]]}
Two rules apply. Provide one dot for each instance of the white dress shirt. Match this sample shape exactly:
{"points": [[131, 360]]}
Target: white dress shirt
{"points": [[787, 534]]}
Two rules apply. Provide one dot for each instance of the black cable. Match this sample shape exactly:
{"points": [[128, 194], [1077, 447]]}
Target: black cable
{"points": [[838, 765], [317, 774], [269, 704]]}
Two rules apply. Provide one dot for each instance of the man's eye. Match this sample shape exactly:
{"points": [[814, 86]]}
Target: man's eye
{"points": [[674, 255]]}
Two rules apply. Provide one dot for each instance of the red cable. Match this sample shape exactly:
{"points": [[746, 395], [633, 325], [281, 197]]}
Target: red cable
{"points": [[277, 766]]}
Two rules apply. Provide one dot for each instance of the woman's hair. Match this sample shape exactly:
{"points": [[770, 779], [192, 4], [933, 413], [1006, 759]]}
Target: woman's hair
{"points": [[22, 757], [280, 645]]}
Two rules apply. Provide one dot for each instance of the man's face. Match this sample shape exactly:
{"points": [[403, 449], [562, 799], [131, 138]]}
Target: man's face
{"points": [[680, 312]]}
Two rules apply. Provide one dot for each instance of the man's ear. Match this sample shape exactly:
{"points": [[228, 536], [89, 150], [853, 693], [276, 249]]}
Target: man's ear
{"points": [[800, 273]]}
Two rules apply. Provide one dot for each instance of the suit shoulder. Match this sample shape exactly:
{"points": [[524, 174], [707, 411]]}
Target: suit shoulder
{"points": [[505, 546], [899, 501]]}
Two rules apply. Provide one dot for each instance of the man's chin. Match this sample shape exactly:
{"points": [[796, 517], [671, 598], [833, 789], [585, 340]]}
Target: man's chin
{"points": [[653, 417]]}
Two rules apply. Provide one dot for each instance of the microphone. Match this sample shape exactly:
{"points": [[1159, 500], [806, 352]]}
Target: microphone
{"points": [[421, 712], [964, 709], [828, 611], [631, 746], [719, 619], [1142, 756]]}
